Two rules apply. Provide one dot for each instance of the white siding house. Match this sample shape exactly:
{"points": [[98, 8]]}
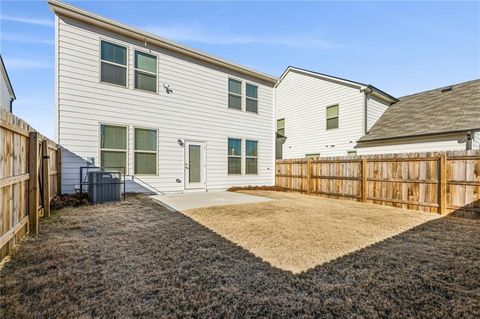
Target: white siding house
{"points": [[178, 119], [7, 96], [325, 115]]}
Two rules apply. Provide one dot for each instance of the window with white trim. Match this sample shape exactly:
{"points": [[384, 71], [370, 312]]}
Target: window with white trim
{"points": [[251, 92], [332, 117], [145, 71], [234, 156], [234, 94], [251, 157], [113, 147], [145, 151], [113, 59]]}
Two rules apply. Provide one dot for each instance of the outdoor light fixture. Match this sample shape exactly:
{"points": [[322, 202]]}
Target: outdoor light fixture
{"points": [[180, 142]]}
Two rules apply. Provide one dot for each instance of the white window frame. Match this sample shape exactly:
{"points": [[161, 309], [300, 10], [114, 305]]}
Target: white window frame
{"points": [[100, 149], [312, 155], [236, 156], [241, 109], [251, 98], [149, 152], [328, 118], [127, 53], [147, 72], [246, 156]]}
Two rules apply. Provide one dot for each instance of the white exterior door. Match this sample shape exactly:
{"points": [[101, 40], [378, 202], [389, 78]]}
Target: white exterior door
{"points": [[195, 165]]}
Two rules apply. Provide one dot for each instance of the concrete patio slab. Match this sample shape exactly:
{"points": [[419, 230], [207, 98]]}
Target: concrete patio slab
{"points": [[185, 201]]}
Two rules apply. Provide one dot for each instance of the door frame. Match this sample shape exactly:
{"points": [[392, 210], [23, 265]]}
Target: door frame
{"points": [[203, 166]]}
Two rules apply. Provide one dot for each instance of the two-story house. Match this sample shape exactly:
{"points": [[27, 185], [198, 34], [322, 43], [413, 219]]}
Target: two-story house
{"points": [[172, 117], [321, 115]]}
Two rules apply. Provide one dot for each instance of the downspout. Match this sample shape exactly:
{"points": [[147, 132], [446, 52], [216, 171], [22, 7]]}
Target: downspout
{"points": [[469, 140], [11, 104]]}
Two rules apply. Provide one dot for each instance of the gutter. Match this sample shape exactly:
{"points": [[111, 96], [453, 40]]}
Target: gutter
{"points": [[366, 92], [414, 135]]}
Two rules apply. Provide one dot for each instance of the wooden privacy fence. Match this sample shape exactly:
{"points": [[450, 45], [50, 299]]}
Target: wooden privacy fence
{"points": [[29, 178], [432, 182]]}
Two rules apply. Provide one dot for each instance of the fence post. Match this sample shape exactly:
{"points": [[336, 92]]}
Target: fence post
{"points": [[46, 177], [364, 180], [33, 182], [443, 184], [309, 175], [58, 168]]}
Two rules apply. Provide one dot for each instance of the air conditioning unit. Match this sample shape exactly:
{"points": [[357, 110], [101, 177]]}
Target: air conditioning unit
{"points": [[103, 187]]}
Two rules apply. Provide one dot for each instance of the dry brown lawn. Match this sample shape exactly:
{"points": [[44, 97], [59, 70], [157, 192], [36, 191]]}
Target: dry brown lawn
{"points": [[297, 232]]}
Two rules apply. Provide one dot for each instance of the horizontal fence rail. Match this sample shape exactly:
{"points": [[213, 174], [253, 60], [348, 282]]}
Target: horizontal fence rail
{"points": [[432, 182], [29, 177]]}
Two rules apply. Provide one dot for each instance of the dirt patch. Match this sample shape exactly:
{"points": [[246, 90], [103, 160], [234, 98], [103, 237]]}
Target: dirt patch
{"points": [[69, 200], [297, 232], [135, 259]]}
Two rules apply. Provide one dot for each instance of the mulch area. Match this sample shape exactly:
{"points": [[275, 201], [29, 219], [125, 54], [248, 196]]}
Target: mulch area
{"points": [[136, 259]]}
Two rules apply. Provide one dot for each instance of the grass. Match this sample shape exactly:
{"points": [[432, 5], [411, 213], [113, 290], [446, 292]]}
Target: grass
{"points": [[136, 259], [297, 232]]}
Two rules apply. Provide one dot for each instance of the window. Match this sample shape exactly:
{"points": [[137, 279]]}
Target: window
{"points": [[145, 151], [113, 63], [332, 117], [234, 94], [113, 147], [281, 127], [251, 158], [312, 155], [252, 98], [234, 156], [352, 153], [145, 72]]}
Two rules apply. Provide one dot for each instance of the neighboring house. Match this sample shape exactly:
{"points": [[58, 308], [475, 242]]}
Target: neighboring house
{"points": [[175, 118], [444, 119], [323, 115], [7, 96]]}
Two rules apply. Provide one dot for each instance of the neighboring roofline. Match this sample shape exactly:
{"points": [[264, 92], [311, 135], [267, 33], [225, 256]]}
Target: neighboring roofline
{"points": [[415, 135], [361, 86], [438, 88], [4, 70], [75, 13]]}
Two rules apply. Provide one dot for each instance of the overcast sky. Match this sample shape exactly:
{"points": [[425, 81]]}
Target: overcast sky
{"points": [[400, 47]]}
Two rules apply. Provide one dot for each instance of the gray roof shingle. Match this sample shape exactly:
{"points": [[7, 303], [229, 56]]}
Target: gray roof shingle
{"points": [[430, 112]]}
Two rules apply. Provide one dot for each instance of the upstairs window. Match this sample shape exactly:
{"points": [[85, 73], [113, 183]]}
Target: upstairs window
{"points": [[251, 159], [145, 151], [234, 156], [113, 147], [252, 98], [234, 94], [281, 127], [145, 72], [332, 117], [113, 63]]}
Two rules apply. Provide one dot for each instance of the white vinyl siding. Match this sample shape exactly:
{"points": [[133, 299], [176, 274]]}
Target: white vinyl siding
{"points": [[195, 110], [375, 109], [5, 97], [302, 101]]}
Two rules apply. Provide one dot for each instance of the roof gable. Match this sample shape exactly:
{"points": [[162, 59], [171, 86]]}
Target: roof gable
{"points": [[361, 86], [75, 13], [436, 111]]}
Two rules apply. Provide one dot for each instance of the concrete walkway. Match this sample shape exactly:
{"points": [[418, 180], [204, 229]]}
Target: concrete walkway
{"points": [[184, 201]]}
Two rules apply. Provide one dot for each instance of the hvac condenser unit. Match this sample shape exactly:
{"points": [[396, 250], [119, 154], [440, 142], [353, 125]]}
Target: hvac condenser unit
{"points": [[103, 187]]}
